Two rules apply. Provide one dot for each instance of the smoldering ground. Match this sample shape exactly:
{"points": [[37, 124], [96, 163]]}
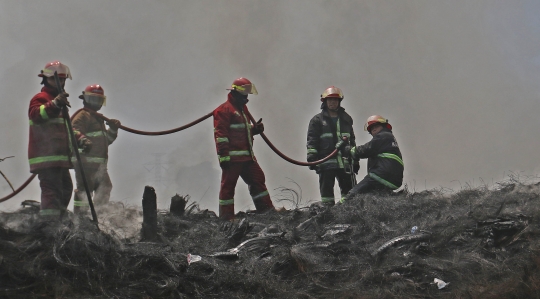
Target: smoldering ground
{"points": [[477, 243]]}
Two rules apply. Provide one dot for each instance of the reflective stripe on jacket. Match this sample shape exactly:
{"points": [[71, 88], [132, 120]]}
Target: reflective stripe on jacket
{"points": [[233, 133], [385, 163], [323, 135], [93, 128], [49, 142]]}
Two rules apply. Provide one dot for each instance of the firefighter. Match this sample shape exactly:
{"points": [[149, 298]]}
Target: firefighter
{"points": [[324, 131], [49, 147], [233, 135], [94, 160], [385, 163]]}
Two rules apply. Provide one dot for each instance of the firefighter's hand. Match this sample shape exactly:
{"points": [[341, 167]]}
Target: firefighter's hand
{"points": [[61, 100], [314, 167], [86, 145], [114, 124], [258, 127], [346, 151], [356, 168], [225, 164]]}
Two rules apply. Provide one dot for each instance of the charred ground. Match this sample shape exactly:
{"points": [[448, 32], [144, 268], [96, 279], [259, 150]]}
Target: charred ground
{"points": [[484, 243]]}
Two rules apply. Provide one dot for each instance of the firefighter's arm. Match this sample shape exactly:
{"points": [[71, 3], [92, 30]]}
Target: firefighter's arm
{"points": [[79, 123], [41, 110], [313, 139], [369, 149], [222, 121], [352, 143], [112, 132]]}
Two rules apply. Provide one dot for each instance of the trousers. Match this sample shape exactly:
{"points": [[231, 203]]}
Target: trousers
{"points": [[366, 185], [56, 187], [253, 176], [327, 180], [99, 185]]}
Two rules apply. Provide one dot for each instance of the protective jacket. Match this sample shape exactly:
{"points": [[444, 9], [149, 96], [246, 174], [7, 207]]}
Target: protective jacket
{"points": [[385, 163], [93, 128], [323, 135], [49, 144], [233, 133]]}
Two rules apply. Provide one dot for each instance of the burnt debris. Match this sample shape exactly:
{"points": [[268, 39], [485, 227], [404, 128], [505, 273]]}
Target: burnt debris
{"points": [[423, 245]]}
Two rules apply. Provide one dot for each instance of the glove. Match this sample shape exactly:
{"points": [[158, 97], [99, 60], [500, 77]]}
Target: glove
{"points": [[61, 100], [346, 151], [86, 145], [315, 167], [341, 144], [225, 164], [114, 124], [258, 128], [356, 168]]}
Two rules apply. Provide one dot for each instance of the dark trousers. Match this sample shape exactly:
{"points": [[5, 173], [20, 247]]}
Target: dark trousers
{"points": [[365, 186], [56, 187], [327, 180], [253, 176]]}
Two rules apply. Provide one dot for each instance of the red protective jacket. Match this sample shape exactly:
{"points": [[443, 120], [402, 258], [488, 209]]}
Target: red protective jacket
{"points": [[233, 133], [93, 128], [49, 144]]}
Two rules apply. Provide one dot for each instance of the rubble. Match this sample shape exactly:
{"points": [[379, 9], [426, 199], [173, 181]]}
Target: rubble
{"points": [[361, 249]]}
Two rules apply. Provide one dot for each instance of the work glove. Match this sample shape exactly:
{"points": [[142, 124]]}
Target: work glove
{"points": [[342, 143], [346, 151], [356, 167], [114, 124], [61, 100], [86, 145], [225, 164], [258, 128]]}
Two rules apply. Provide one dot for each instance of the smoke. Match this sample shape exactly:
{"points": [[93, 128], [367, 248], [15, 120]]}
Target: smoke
{"points": [[457, 80]]}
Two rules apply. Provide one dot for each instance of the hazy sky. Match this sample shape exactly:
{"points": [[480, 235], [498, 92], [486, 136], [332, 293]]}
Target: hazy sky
{"points": [[456, 79]]}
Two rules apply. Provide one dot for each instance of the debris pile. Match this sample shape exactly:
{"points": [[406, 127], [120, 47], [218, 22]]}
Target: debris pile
{"points": [[476, 243]]}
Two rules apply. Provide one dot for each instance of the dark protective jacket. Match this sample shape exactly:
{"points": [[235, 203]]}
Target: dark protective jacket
{"points": [[323, 135], [93, 128], [233, 132], [49, 144], [385, 163]]}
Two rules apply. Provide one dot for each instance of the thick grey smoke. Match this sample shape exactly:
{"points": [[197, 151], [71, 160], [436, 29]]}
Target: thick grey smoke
{"points": [[457, 79]]}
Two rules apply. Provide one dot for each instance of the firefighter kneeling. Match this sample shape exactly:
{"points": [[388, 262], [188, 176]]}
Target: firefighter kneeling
{"points": [[94, 144], [385, 164]]}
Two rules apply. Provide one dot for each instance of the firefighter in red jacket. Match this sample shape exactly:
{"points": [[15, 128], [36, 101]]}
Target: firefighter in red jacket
{"points": [[49, 148], [233, 135], [93, 130]]}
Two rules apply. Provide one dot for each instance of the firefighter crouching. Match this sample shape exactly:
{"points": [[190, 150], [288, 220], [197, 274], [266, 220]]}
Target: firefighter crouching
{"points": [[49, 147], [233, 135], [324, 131], [95, 140], [385, 163]]}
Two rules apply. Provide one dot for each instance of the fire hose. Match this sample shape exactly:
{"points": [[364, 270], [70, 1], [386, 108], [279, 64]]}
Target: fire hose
{"points": [[157, 133], [278, 152]]}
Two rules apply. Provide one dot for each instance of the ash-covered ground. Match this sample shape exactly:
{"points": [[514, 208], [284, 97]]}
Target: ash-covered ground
{"points": [[477, 243]]}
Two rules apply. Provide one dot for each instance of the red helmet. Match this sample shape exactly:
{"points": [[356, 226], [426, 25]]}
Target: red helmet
{"points": [[332, 92], [243, 86], [60, 68], [376, 119], [94, 94]]}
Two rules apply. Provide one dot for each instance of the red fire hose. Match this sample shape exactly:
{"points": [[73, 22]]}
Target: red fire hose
{"points": [[287, 158], [151, 133], [157, 133], [19, 189]]}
